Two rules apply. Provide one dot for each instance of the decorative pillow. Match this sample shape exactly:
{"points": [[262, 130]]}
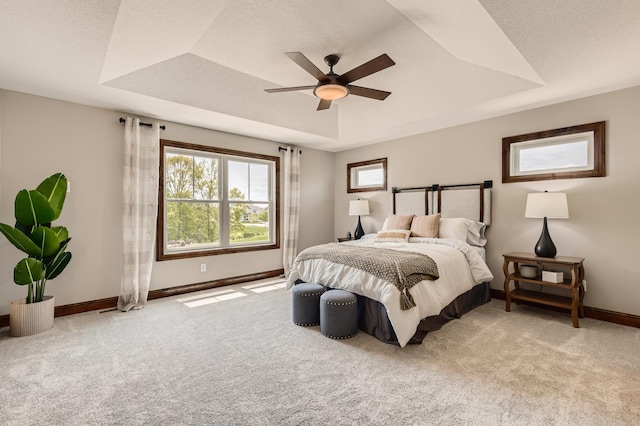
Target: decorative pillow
{"points": [[394, 221], [425, 226], [393, 235]]}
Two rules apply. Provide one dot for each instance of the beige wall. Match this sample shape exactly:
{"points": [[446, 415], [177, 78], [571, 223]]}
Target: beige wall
{"points": [[602, 226], [41, 136], [86, 144]]}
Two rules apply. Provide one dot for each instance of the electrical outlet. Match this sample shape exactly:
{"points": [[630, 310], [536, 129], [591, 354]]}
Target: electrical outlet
{"points": [[584, 284], [203, 267], [68, 186]]}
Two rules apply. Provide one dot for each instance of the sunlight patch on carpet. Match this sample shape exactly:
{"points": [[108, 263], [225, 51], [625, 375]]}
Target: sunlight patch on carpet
{"points": [[208, 298], [279, 283], [205, 295], [216, 299]]}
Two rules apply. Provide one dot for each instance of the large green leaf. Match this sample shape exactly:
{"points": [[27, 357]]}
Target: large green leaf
{"points": [[33, 208], [58, 265], [61, 233], [47, 240], [54, 188], [20, 240], [26, 229], [50, 260], [27, 271]]}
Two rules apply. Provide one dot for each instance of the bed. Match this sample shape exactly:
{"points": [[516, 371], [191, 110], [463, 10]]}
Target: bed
{"points": [[434, 239]]}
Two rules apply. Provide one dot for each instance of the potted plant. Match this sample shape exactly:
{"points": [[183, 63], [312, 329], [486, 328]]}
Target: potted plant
{"points": [[46, 249]]}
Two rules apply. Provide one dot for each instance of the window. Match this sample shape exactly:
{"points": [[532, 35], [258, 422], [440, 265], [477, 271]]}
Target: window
{"points": [[367, 176], [570, 152], [214, 201]]}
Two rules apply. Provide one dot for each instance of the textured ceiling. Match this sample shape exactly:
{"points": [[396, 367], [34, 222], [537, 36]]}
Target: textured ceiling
{"points": [[206, 63]]}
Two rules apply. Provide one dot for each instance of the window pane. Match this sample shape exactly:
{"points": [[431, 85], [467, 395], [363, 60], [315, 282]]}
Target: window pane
{"points": [[249, 223], [192, 226], [238, 180], [555, 157], [179, 176], [370, 177], [259, 175], [205, 178]]}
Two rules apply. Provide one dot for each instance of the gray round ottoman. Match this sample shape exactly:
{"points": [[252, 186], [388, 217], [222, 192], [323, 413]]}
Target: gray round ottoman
{"points": [[339, 314], [306, 303]]}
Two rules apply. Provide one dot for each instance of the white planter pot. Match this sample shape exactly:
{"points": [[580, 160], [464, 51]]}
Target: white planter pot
{"points": [[26, 319]]}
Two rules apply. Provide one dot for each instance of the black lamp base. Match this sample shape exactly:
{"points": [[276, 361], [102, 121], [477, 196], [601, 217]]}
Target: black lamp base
{"points": [[359, 231], [545, 247]]}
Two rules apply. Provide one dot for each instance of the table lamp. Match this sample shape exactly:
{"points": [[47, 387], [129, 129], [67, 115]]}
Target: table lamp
{"points": [[358, 208], [551, 205]]}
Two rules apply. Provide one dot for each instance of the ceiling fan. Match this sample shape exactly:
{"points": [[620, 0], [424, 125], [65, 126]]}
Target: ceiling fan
{"points": [[332, 86]]}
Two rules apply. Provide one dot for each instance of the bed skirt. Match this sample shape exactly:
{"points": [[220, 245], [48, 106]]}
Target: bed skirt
{"points": [[373, 319]]}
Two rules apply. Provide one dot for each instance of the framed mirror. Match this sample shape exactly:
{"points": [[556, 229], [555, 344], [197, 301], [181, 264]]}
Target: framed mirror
{"points": [[566, 153], [367, 176]]}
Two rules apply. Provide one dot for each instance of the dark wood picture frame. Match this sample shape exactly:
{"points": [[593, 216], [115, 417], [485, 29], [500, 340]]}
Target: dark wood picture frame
{"points": [[352, 186], [599, 149]]}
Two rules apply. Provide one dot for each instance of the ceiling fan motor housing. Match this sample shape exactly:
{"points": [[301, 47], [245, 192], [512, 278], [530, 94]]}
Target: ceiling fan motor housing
{"points": [[330, 89], [331, 60]]}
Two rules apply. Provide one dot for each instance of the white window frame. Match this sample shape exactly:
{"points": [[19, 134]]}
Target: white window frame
{"points": [[547, 147]]}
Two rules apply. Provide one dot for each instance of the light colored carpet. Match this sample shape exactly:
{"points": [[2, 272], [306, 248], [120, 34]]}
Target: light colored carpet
{"points": [[242, 361]]}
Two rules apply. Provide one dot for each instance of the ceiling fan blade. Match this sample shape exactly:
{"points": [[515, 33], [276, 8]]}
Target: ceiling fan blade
{"points": [[378, 64], [324, 104], [289, 89], [307, 65], [380, 95]]}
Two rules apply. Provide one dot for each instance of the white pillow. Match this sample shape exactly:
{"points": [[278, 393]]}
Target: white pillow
{"points": [[475, 234], [454, 228], [463, 229], [393, 236], [368, 236]]}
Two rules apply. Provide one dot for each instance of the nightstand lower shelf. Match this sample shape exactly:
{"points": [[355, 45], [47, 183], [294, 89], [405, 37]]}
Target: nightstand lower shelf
{"points": [[544, 298]]}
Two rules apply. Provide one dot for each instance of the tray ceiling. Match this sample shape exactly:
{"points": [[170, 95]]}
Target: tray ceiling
{"points": [[206, 63]]}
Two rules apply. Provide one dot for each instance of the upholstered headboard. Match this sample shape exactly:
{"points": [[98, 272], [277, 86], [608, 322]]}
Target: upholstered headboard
{"points": [[472, 200]]}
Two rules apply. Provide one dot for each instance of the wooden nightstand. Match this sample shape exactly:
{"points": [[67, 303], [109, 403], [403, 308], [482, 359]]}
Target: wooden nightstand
{"points": [[342, 240], [561, 263]]}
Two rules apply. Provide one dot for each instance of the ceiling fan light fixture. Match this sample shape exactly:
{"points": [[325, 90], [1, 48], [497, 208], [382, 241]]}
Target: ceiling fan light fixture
{"points": [[331, 92]]}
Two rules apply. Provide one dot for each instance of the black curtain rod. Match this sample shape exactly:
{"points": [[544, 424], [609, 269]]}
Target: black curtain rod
{"points": [[122, 120], [285, 149]]}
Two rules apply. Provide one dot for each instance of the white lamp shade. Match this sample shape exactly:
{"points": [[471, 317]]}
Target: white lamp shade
{"points": [[358, 208], [551, 205]]}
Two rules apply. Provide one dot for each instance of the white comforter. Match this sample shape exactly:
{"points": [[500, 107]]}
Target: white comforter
{"points": [[459, 266]]}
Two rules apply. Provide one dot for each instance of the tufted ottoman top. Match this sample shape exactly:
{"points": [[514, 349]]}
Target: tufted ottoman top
{"points": [[304, 289], [339, 297]]}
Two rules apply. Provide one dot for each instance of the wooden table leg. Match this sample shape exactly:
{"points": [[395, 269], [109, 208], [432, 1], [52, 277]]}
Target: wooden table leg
{"points": [[507, 294], [581, 292], [574, 306]]}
